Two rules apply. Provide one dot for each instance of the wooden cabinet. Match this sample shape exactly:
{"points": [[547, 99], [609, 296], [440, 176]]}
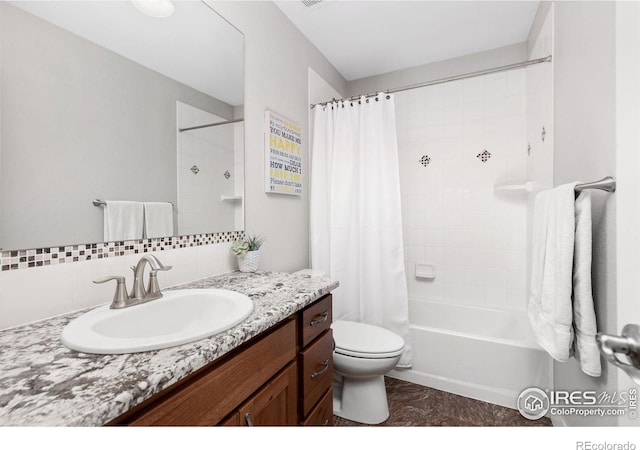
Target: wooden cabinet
{"points": [[316, 363], [316, 319], [280, 377]]}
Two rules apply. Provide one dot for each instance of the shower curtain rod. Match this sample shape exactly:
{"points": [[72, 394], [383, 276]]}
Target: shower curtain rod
{"points": [[210, 125], [464, 76]]}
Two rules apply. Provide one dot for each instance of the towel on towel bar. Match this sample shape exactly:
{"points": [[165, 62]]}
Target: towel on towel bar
{"points": [[123, 220], [158, 219], [549, 310], [561, 303], [584, 314]]}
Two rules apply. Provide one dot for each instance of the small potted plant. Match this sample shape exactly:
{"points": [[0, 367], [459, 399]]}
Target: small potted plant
{"points": [[248, 252]]}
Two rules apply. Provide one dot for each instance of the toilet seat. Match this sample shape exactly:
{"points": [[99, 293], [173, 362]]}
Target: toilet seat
{"points": [[362, 340]]}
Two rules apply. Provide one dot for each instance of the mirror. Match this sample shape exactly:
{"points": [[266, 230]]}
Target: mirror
{"points": [[94, 95]]}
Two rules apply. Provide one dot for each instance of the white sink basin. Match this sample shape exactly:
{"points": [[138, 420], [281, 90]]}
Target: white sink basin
{"points": [[177, 318]]}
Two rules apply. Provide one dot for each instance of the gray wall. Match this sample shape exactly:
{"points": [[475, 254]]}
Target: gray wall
{"points": [[585, 149], [441, 69], [80, 122], [277, 58]]}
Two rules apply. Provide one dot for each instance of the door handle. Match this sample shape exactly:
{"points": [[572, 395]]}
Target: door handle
{"points": [[627, 344]]}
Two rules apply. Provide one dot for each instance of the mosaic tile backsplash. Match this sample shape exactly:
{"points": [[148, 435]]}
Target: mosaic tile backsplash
{"points": [[38, 257]]}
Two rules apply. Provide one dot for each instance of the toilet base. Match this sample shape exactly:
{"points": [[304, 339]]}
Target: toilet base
{"points": [[361, 400]]}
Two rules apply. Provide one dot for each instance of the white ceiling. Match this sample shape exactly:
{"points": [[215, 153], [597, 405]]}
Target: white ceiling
{"points": [[365, 38], [194, 46]]}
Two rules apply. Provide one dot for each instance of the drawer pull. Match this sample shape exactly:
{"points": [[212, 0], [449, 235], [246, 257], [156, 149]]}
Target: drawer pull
{"points": [[325, 367], [319, 319], [247, 418]]}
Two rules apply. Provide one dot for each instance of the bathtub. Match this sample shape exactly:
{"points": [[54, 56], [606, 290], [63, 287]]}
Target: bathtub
{"points": [[484, 354]]}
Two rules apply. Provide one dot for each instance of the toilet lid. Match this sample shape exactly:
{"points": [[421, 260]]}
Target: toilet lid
{"points": [[365, 341]]}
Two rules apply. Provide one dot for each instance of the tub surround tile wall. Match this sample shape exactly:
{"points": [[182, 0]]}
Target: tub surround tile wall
{"points": [[456, 141], [539, 118], [210, 152], [44, 383]]}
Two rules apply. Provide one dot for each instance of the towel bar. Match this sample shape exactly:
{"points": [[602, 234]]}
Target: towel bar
{"points": [[98, 202], [606, 184]]}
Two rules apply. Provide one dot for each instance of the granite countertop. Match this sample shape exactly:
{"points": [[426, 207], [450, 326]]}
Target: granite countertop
{"points": [[44, 383]]}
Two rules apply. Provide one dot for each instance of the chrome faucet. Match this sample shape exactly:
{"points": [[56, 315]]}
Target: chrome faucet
{"points": [[139, 294]]}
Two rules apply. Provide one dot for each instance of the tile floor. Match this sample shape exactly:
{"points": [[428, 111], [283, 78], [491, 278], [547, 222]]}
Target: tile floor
{"points": [[412, 405]]}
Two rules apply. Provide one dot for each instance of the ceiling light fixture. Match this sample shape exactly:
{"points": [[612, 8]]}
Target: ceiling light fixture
{"points": [[154, 8]]}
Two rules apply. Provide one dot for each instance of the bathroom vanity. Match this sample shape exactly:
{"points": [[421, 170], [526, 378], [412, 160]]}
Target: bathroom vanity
{"points": [[274, 368], [280, 377]]}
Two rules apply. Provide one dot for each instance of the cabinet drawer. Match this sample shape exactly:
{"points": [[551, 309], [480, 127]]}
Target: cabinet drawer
{"points": [[316, 318], [208, 398], [317, 370], [322, 413]]}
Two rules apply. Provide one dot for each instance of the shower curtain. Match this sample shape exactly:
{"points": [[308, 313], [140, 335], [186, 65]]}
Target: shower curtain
{"points": [[356, 221]]}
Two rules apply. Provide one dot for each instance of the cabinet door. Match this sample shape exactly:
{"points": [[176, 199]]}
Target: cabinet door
{"points": [[275, 404], [210, 396]]}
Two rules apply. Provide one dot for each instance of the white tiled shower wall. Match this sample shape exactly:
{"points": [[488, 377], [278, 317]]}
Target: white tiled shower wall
{"points": [[539, 117], [475, 237], [213, 151]]}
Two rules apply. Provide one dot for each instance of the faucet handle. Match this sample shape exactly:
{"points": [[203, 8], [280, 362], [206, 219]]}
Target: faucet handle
{"points": [[120, 297], [119, 279], [156, 265], [153, 289]]}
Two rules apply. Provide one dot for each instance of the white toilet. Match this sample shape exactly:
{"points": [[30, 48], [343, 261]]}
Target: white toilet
{"points": [[363, 354]]}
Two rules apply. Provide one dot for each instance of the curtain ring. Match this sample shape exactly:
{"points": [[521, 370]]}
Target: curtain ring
{"points": [[388, 96], [367, 100], [376, 98], [351, 103]]}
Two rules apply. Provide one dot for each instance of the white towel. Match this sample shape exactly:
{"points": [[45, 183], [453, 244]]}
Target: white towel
{"points": [[123, 221], [550, 310], [584, 315], [158, 219]]}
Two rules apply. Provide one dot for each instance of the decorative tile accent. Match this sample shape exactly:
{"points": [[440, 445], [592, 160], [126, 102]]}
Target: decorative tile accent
{"points": [[425, 160], [543, 134], [38, 257], [484, 156]]}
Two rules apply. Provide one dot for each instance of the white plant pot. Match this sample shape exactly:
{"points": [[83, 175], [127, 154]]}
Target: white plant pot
{"points": [[249, 261]]}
